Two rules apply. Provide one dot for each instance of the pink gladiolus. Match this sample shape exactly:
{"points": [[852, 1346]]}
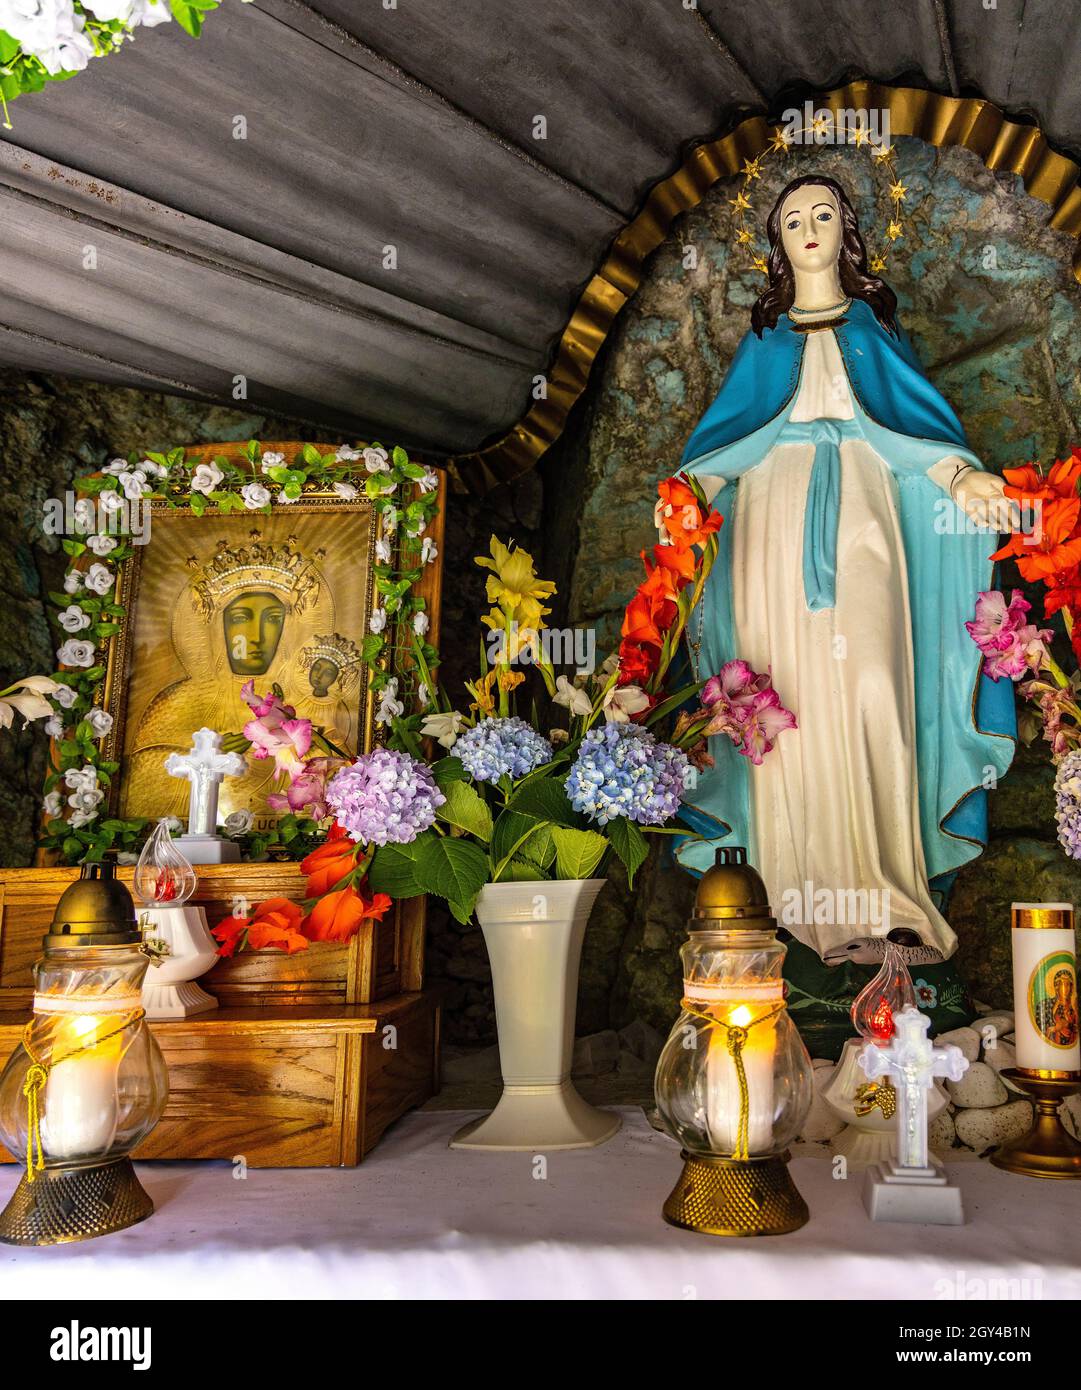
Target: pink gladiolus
{"points": [[307, 789], [743, 705], [1010, 646], [275, 732]]}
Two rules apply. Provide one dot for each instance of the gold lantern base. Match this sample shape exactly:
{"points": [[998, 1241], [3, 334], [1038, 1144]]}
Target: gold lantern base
{"points": [[65, 1204], [1048, 1150], [736, 1197]]}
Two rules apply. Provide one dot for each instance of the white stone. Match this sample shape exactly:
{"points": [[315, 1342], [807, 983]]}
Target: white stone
{"points": [[967, 1039], [999, 1023], [941, 1133], [1001, 1056], [1070, 1115], [987, 1129], [978, 1089]]}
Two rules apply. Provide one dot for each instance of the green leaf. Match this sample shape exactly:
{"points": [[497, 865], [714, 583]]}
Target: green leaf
{"points": [[522, 870], [629, 843], [393, 871], [452, 869], [544, 800], [371, 646], [447, 770], [465, 809], [578, 852]]}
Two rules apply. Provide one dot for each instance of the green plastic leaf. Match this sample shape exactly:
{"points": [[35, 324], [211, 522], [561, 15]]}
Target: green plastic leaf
{"points": [[448, 770], [544, 800], [522, 870], [629, 843], [578, 852], [466, 809]]}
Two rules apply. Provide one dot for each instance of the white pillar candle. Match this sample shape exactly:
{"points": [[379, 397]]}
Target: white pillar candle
{"points": [[740, 1007], [1045, 988], [81, 1109]]}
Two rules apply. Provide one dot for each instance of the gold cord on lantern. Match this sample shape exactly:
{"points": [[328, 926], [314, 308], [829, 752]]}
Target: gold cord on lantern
{"points": [[736, 1038], [37, 1075]]}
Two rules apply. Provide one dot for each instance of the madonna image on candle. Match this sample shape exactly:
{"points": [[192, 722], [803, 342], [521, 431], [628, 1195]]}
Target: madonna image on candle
{"points": [[279, 599], [1052, 1000]]}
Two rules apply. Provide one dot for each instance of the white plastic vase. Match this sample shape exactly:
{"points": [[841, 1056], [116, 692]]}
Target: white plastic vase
{"points": [[534, 934]]}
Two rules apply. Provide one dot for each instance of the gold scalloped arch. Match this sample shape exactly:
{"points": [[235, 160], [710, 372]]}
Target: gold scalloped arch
{"points": [[972, 123]]}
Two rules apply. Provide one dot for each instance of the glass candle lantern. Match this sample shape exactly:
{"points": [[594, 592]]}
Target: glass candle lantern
{"points": [[88, 1082], [734, 1081]]}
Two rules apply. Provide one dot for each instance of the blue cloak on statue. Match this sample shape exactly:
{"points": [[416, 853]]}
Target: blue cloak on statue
{"points": [[965, 722]]}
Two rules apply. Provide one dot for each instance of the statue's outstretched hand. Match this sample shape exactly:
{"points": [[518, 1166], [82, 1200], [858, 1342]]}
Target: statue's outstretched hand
{"points": [[982, 498]]}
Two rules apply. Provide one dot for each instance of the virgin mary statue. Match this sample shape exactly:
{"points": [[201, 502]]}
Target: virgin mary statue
{"points": [[858, 526]]}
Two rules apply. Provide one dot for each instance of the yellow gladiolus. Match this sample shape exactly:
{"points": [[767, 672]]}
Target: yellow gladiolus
{"points": [[513, 584]]}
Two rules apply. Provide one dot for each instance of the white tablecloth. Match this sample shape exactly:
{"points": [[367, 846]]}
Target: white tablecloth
{"points": [[418, 1220]]}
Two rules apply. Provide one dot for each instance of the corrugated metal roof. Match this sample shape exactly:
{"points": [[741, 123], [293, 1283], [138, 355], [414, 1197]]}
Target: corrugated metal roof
{"points": [[415, 128]]}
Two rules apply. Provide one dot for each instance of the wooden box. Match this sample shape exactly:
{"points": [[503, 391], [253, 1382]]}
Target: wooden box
{"points": [[309, 1057], [289, 1087]]}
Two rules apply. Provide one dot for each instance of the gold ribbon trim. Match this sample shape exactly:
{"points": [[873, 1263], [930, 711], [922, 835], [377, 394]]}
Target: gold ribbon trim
{"points": [[938, 120], [735, 1041]]}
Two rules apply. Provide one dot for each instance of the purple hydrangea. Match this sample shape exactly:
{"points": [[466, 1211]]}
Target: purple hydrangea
{"points": [[1068, 804], [622, 770], [384, 798], [497, 748]]}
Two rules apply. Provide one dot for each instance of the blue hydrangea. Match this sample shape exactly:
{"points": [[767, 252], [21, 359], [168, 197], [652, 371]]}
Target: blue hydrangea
{"points": [[622, 770], [497, 748]]}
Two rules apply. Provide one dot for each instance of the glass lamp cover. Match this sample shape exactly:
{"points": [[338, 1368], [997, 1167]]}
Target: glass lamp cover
{"points": [[890, 991], [106, 1083], [163, 877]]}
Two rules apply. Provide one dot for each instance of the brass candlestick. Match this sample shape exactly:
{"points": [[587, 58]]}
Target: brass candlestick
{"points": [[1048, 1150]]}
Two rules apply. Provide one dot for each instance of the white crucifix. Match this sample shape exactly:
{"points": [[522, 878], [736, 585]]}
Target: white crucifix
{"points": [[205, 766], [913, 1187]]}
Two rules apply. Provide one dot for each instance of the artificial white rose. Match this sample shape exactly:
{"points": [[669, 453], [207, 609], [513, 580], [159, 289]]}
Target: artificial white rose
{"points": [[100, 722], [255, 496], [420, 623], [76, 653], [346, 490], [345, 454], [206, 478], [271, 459], [390, 707], [53, 804], [238, 823], [376, 460], [150, 469], [175, 824], [130, 12], [86, 800], [378, 621], [81, 818], [428, 550], [115, 467], [73, 582], [111, 501], [126, 857], [429, 482], [285, 499], [101, 545], [99, 578], [135, 485], [73, 619], [54, 727], [390, 521], [382, 552], [65, 696], [83, 778], [49, 30]]}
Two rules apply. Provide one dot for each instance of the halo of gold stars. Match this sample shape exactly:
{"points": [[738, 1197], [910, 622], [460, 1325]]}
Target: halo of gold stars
{"points": [[883, 157]]}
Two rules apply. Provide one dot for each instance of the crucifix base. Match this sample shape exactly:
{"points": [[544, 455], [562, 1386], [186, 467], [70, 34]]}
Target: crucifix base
{"points": [[207, 849], [924, 1196]]}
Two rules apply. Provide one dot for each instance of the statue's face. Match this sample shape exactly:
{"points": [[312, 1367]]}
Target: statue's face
{"points": [[253, 628], [811, 228], [322, 675]]}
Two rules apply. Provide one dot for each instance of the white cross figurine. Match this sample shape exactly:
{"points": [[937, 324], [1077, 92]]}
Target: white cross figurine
{"points": [[205, 766], [914, 1188]]}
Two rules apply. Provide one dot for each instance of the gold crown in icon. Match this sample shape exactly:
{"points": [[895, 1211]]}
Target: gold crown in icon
{"points": [[258, 564], [341, 651]]}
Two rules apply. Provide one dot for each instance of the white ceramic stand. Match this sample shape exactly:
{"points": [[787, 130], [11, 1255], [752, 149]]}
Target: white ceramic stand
{"points": [[534, 935], [207, 849], [169, 988], [920, 1195]]}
